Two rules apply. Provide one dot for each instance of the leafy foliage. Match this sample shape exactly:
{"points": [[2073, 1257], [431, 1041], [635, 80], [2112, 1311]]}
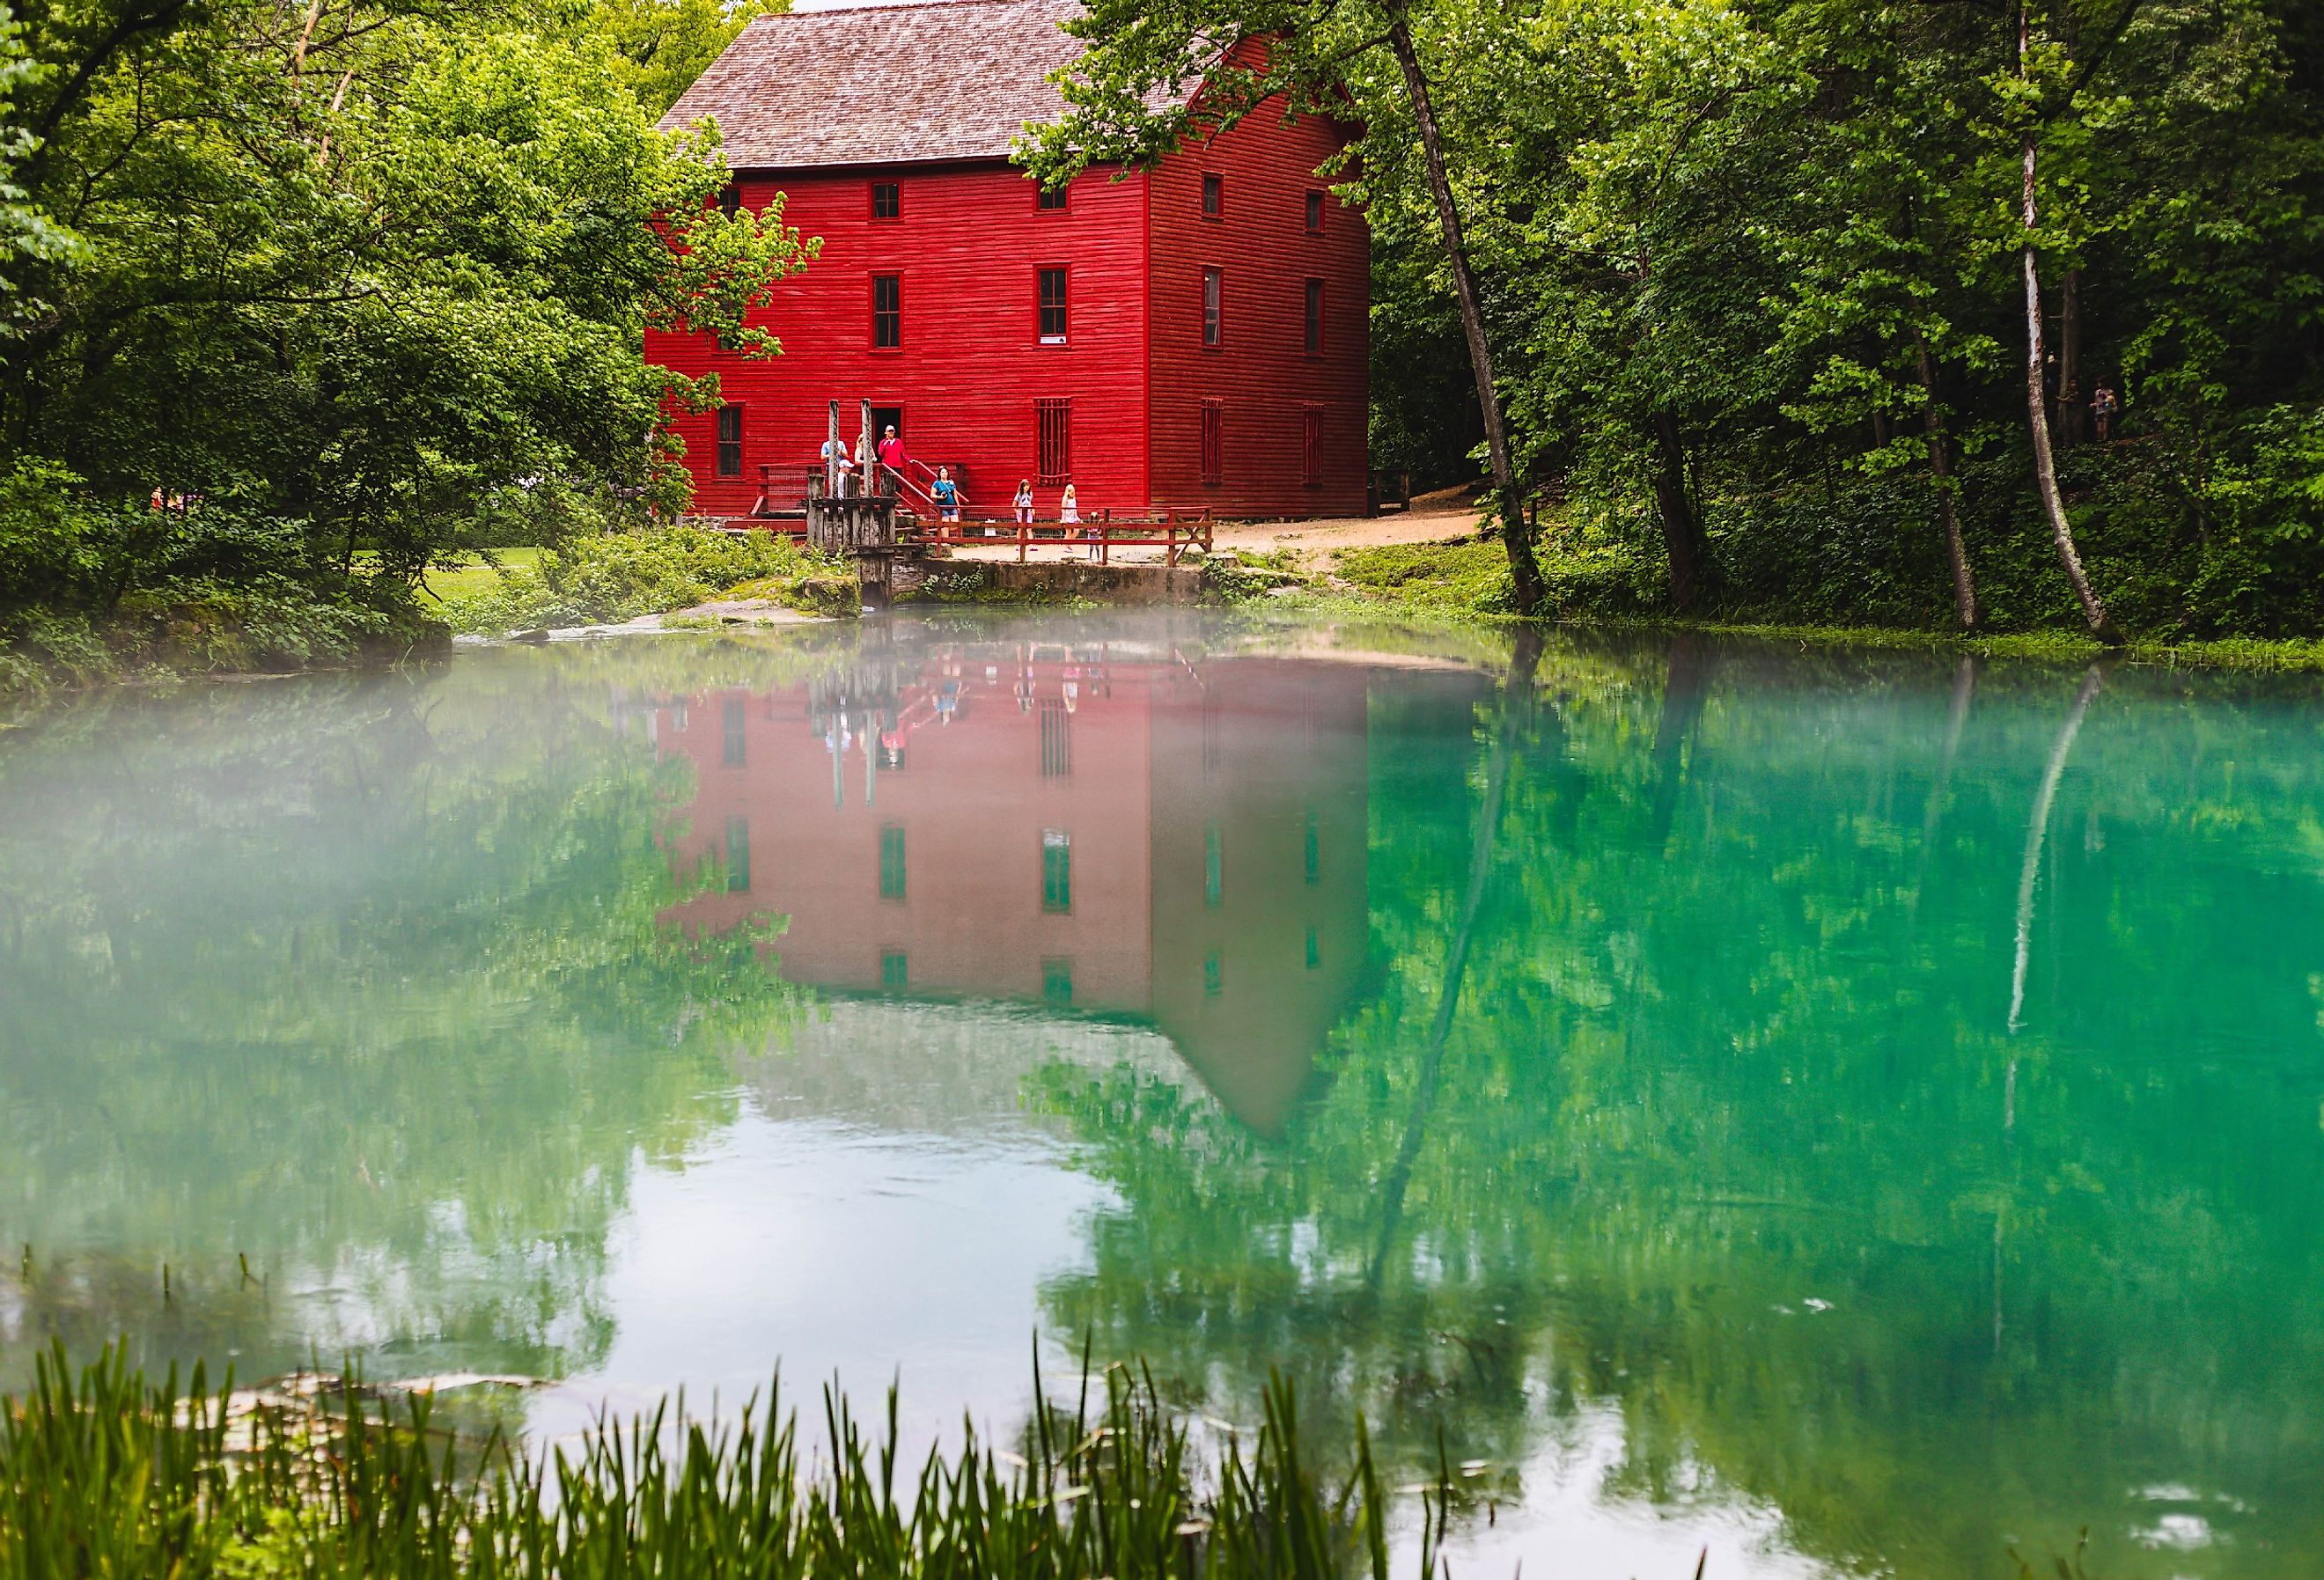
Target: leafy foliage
{"points": [[368, 274], [103, 1470], [617, 576]]}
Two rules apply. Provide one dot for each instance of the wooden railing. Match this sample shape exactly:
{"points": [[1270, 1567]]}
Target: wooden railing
{"points": [[1174, 534]]}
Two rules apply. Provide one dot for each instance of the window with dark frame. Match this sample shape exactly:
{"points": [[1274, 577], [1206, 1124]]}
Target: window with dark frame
{"points": [[1214, 443], [1214, 304], [1314, 318], [1311, 446], [734, 741], [1214, 195], [886, 200], [730, 441], [886, 312], [1314, 211], [1051, 322], [730, 199], [895, 970], [1049, 198], [1053, 440]]}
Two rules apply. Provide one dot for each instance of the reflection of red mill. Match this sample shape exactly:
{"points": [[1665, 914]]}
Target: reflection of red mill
{"points": [[1175, 842]]}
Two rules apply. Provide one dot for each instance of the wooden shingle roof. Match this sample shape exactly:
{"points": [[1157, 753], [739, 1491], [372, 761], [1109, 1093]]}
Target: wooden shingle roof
{"points": [[884, 84]]}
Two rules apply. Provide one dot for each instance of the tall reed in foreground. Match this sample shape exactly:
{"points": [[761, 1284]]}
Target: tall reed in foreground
{"points": [[105, 1472]]}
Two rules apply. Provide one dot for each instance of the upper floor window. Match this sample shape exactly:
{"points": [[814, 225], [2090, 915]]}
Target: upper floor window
{"points": [[1315, 211], [1314, 318], [886, 200], [1052, 312], [887, 310], [1214, 195], [730, 199], [1214, 304], [730, 441], [1049, 198]]}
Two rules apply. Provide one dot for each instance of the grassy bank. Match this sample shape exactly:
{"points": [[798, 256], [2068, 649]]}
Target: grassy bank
{"points": [[614, 576], [106, 1472], [1469, 579]]}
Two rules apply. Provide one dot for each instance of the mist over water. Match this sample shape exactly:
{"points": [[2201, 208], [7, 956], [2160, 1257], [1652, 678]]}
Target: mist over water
{"points": [[1862, 1113]]}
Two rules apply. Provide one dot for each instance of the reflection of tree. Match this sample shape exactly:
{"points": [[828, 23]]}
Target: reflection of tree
{"points": [[1708, 1075], [360, 980]]}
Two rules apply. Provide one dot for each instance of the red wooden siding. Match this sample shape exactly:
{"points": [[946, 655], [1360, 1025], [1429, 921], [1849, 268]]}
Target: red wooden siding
{"points": [[966, 247], [1278, 413]]}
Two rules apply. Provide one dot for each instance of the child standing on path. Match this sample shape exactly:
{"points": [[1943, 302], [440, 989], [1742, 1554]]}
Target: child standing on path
{"points": [[1025, 502], [946, 494]]}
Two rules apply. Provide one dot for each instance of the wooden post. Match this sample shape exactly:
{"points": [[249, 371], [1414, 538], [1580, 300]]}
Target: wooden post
{"points": [[831, 457], [1022, 530], [871, 447]]}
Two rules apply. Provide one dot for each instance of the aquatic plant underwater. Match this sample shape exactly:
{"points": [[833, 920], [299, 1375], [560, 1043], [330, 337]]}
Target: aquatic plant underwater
{"points": [[107, 1471]]}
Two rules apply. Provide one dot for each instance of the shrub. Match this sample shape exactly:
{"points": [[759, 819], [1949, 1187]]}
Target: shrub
{"points": [[619, 576]]}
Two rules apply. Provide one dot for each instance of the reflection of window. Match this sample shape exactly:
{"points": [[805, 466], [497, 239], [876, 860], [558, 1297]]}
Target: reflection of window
{"points": [[892, 861], [1315, 948], [1057, 870], [1056, 739], [895, 971], [1313, 853], [731, 722], [737, 855], [1213, 873], [1214, 975], [1057, 981]]}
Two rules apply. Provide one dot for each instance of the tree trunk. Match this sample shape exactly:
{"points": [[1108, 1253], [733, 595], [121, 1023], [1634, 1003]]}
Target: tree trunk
{"points": [[1941, 475], [1525, 573], [2070, 406], [1690, 569], [2037, 411]]}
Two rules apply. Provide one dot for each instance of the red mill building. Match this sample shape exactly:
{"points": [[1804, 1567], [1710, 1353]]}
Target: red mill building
{"points": [[1193, 336], [1182, 844]]}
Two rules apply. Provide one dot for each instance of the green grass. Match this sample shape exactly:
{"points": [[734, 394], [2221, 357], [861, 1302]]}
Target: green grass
{"points": [[1469, 579], [474, 575], [104, 1471]]}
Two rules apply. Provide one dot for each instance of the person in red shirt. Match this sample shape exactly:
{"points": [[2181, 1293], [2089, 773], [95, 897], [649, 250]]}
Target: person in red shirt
{"points": [[891, 452]]}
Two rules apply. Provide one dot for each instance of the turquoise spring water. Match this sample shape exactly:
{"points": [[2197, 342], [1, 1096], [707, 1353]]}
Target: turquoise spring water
{"points": [[1857, 1113]]}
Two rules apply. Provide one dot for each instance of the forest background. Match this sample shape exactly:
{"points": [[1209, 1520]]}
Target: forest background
{"points": [[1747, 309]]}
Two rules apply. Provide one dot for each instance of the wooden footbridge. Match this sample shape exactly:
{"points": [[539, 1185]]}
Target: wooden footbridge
{"points": [[887, 518]]}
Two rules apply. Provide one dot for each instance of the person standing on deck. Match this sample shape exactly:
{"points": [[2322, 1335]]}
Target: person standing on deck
{"points": [[946, 494], [891, 450], [835, 451]]}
